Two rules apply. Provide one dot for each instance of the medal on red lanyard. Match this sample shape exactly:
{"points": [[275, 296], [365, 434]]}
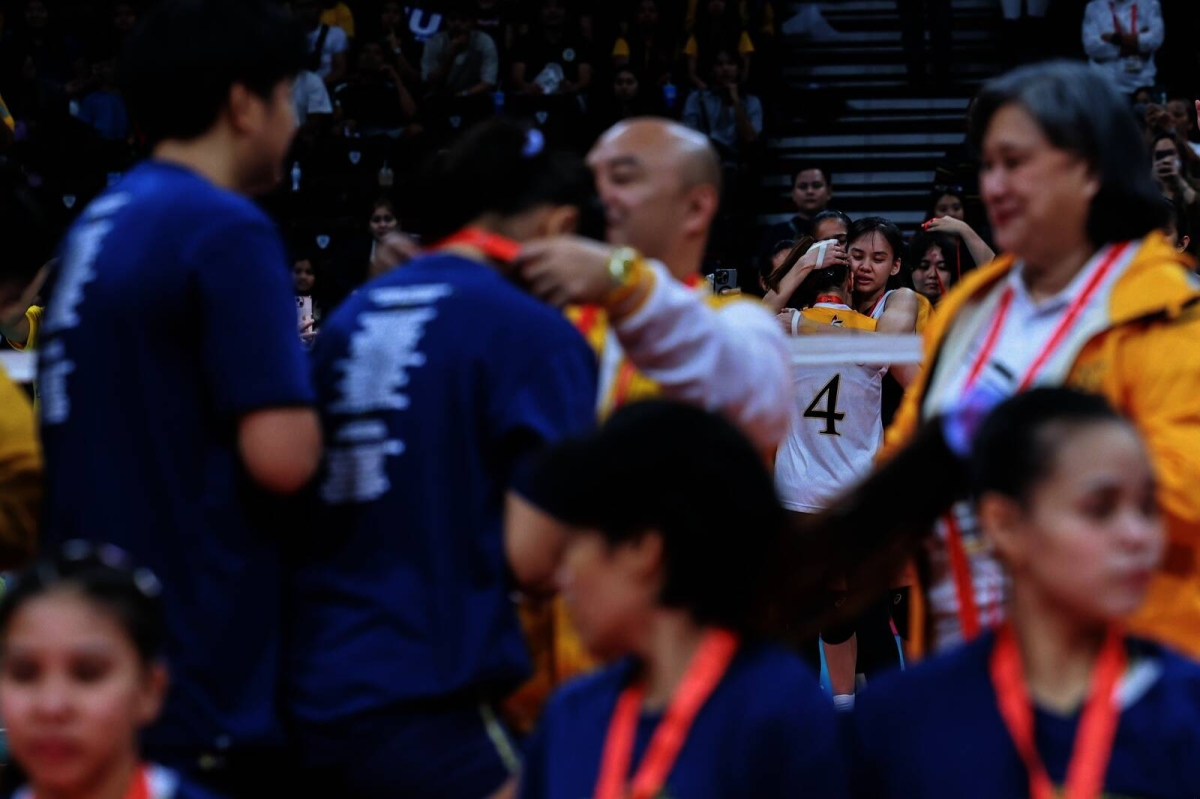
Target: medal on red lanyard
{"points": [[494, 246], [968, 609], [708, 666], [1097, 730]]}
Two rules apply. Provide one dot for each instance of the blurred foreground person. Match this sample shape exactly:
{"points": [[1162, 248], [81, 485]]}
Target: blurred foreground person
{"points": [[1088, 294], [699, 702], [175, 397], [437, 384], [1058, 697]]}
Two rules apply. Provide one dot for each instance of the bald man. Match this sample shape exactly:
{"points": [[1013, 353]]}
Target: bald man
{"points": [[642, 302], [657, 329]]}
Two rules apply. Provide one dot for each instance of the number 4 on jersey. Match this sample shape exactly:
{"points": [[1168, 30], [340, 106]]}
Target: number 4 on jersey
{"points": [[830, 414]]}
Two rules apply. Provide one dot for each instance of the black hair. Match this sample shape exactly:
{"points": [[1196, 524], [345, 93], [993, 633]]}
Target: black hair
{"points": [[947, 244], [185, 56], [830, 214], [105, 576], [1080, 112], [504, 167], [941, 191], [822, 168], [1177, 213], [27, 233], [877, 224], [1016, 445], [819, 280], [645, 471]]}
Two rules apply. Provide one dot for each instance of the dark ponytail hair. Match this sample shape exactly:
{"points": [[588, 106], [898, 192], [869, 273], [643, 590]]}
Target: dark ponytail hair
{"points": [[502, 167], [104, 575]]}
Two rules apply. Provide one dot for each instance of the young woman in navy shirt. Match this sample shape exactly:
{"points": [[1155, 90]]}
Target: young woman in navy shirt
{"points": [[669, 580], [1059, 698]]}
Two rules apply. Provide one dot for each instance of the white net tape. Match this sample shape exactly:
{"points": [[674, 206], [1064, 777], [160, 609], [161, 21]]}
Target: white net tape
{"points": [[872, 348]]}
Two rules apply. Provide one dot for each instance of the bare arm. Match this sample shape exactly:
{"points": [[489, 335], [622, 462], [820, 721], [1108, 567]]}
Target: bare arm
{"points": [[900, 316], [280, 447], [533, 543]]}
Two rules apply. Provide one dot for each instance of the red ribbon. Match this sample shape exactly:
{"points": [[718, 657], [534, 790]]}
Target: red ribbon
{"points": [[1093, 746], [708, 666], [494, 246]]}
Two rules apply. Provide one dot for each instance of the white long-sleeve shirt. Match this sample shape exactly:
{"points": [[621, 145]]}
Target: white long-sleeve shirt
{"points": [[1128, 73], [732, 358]]}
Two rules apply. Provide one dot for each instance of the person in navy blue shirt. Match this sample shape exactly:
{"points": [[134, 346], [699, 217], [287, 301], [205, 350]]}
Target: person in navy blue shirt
{"points": [[1059, 697], [81, 673], [672, 582], [176, 400], [436, 384]]}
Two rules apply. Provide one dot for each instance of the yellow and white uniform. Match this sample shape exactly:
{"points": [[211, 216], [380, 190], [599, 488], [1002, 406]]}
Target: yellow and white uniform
{"points": [[836, 428]]}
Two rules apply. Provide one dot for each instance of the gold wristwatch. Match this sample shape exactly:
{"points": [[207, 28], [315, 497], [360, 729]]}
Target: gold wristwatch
{"points": [[623, 267]]}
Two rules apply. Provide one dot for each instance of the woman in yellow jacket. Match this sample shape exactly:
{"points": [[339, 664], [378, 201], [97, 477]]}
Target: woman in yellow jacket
{"points": [[1088, 294]]}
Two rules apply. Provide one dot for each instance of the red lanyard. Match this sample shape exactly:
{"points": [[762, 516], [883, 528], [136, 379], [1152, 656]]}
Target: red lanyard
{"points": [[708, 666], [1133, 28], [1097, 724], [492, 245], [960, 566], [871, 313], [1073, 311], [831, 299]]}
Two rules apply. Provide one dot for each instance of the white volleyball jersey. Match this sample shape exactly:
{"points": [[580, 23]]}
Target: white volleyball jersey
{"points": [[836, 428]]}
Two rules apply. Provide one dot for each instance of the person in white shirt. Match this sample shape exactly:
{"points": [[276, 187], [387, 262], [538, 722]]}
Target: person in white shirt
{"points": [[327, 44], [310, 98], [460, 61], [1121, 38]]}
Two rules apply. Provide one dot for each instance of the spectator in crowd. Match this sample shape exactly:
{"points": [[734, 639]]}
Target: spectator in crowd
{"points": [[83, 636], [374, 101], [1183, 120], [1065, 494], [647, 48], [39, 66], [1179, 227], [495, 18], [659, 584], [731, 119], [916, 17], [630, 98], [104, 109], [551, 58], [933, 261], [389, 247], [831, 225], [337, 14], [397, 373], [328, 45], [311, 101], [460, 61], [304, 283], [1173, 166], [812, 190], [1121, 38], [949, 216], [178, 235], [28, 243], [1088, 295], [402, 46], [718, 27]]}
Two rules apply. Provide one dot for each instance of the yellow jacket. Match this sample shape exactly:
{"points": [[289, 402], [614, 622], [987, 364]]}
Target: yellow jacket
{"points": [[20, 476], [1146, 362]]}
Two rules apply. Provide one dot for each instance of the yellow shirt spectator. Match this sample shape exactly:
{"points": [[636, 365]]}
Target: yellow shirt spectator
{"points": [[339, 16], [20, 476], [33, 320]]}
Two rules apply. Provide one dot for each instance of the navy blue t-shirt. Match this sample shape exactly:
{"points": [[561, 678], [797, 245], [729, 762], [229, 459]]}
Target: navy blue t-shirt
{"points": [[766, 731], [172, 315], [435, 384], [936, 731]]}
